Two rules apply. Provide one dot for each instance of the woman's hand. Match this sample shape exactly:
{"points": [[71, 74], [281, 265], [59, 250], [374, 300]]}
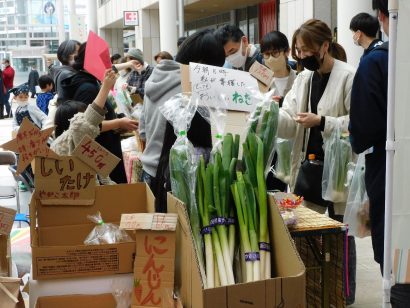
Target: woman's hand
{"points": [[308, 119], [109, 78], [127, 125]]}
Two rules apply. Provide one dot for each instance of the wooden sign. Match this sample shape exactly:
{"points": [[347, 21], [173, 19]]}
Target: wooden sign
{"points": [[208, 82], [261, 73], [6, 220], [149, 221], [96, 156], [30, 142], [65, 181]]}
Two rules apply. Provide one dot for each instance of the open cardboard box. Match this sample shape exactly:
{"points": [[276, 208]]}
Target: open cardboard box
{"points": [[285, 289], [79, 301], [58, 233]]}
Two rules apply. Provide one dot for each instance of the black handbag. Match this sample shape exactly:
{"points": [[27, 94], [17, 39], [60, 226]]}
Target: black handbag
{"points": [[309, 182], [309, 179]]}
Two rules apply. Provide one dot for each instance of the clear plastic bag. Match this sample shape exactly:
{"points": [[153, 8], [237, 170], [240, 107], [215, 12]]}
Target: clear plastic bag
{"points": [[357, 207], [179, 110], [216, 115], [105, 233], [283, 164], [264, 123], [338, 155], [121, 292], [123, 102]]}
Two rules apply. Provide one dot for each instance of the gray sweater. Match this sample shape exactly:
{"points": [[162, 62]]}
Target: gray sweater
{"points": [[164, 82]]}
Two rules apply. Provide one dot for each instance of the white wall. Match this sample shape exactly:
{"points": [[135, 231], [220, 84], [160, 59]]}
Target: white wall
{"points": [[147, 34], [113, 10], [293, 13], [346, 10]]}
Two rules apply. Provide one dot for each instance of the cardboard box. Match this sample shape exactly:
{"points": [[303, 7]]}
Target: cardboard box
{"points": [[77, 301], [10, 295], [59, 232], [5, 256], [285, 289]]}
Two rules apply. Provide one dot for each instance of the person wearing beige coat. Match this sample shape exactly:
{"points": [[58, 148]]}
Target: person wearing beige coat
{"points": [[334, 105]]}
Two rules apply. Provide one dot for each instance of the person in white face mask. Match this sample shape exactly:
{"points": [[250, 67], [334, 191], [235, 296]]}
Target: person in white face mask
{"points": [[275, 50], [26, 109], [365, 28], [239, 53]]}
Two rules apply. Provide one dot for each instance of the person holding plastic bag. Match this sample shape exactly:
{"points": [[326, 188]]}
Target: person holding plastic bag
{"points": [[318, 101], [165, 82]]}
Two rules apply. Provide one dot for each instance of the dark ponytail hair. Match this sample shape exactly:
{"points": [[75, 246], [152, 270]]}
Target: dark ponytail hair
{"points": [[80, 58]]}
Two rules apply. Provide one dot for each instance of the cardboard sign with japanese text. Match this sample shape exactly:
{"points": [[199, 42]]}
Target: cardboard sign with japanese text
{"points": [[155, 258], [96, 156], [153, 267], [30, 142], [64, 181], [261, 73], [237, 87], [6, 220]]}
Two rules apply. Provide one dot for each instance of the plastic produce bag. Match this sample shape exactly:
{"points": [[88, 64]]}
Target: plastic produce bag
{"points": [[216, 116], [357, 207], [338, 155], [179, 110], [264, 122], [282, 166], [105, 233]]}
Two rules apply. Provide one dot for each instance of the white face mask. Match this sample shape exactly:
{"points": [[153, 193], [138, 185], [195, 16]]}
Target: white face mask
{"points": [[356, 40], [276, 64], [237, 59], [22, 103]]}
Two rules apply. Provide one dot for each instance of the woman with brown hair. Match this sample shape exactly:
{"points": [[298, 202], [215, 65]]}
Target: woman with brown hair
{"points": [[163, 55], [318, 103]]}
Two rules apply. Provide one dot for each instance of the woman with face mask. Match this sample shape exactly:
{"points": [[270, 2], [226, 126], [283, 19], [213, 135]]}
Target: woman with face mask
{"points": [[275, 50], [318, 103]]}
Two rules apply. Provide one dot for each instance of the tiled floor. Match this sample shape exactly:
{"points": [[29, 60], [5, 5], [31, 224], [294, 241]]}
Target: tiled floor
{"points": [[369, 285]]}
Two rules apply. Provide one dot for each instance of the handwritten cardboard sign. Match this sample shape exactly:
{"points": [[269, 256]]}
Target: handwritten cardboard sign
{"points": [[6, 220], [153, 268], [149, 221], [208, 82], [30, 142], [262, 73], [96, 156], [65, 181]]}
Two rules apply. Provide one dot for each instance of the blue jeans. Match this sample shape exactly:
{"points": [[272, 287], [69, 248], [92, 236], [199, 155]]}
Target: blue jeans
{"points": [[6, 103], [146, 178]]}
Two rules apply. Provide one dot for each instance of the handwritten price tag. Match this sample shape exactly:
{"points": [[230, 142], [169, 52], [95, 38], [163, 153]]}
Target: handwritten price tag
{"points": [[96, 156], [262, 73], [149, 221], [6, 220]]}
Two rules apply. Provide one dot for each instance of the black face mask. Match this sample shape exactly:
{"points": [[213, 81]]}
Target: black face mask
{"points": [[311, 63]]}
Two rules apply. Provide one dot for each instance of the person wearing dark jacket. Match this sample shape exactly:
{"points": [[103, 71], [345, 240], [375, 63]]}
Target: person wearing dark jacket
{"points": [[368, 129], [33, 81], [84, 87], [65, 54], [365, 28]]}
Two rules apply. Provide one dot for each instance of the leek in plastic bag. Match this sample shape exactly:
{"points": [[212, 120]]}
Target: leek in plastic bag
{"points": [[338, 155], [357, 207], [264, 123], [283, 163], [179, 110]]}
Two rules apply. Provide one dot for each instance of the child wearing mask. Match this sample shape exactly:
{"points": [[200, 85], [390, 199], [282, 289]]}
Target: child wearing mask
{"points": [[25, 109]]}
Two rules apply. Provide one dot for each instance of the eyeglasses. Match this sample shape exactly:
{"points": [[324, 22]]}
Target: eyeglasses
{"points": [[274, 53]]}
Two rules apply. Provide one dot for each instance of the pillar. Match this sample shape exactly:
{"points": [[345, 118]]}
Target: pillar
{"points": [[181, 19], [92, 15], [346, 10], [60, 18], [147, 34], [168, 26]]}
